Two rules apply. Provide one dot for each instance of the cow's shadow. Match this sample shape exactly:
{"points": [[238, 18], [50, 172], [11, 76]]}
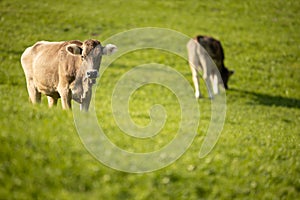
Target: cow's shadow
{"points": [[269, 100]]}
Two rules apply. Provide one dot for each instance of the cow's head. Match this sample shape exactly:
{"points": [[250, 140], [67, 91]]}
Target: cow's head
{"points": [[225, 73], [91, 53]]}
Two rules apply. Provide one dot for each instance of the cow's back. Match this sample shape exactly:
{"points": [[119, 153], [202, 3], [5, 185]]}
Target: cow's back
{"points": [[41, 52], [214, 49]]}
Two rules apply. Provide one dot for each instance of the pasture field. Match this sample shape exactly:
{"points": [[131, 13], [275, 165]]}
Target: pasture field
{"points": [[258, 153]]}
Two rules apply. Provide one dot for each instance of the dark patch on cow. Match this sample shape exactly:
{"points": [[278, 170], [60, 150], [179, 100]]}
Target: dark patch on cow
{"points": [[89, 45], [215, 50]]}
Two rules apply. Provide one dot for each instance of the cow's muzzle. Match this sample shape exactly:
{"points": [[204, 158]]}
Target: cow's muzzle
{"points": [[92, 74]]}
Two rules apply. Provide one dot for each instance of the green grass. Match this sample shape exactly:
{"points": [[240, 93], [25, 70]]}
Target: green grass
{"points": [[257, 154]]}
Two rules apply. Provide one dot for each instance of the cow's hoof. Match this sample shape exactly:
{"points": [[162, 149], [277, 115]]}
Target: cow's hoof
{"points": [[198, 95]]}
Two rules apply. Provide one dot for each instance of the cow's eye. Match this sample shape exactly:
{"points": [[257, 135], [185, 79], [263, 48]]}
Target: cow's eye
{"points": [[83, 57]]}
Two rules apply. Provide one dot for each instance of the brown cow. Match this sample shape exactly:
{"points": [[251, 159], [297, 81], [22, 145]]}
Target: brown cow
{"points": [[199, 60], [65, 70]]}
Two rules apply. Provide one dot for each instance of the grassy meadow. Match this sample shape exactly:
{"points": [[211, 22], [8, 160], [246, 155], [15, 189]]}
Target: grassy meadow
{"points": [[258, 153]]}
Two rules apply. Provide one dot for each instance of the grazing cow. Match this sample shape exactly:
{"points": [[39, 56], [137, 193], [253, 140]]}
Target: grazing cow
{"points": [[199, 60], [65, 70]]}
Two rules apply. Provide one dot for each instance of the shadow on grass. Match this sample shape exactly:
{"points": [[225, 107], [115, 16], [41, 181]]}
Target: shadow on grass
{"points": [[269, 100]]}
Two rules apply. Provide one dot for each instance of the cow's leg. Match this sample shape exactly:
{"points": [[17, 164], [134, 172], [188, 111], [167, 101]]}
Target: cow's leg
{"points": [[194, 62], [207, 67], [195, 78], [51, 101], [84, 106], [34, 94], [66, 96], [66, 100], [208, 76], [208, 82], [215, 83], [69, 99]]}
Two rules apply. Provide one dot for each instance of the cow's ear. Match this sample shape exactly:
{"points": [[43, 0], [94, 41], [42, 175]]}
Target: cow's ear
{"points": [[109, 49], [74, 49]]}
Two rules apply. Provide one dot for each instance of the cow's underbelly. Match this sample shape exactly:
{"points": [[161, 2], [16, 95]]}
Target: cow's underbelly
{"points": [[47, 81], [46, 89], [46, 86]]}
